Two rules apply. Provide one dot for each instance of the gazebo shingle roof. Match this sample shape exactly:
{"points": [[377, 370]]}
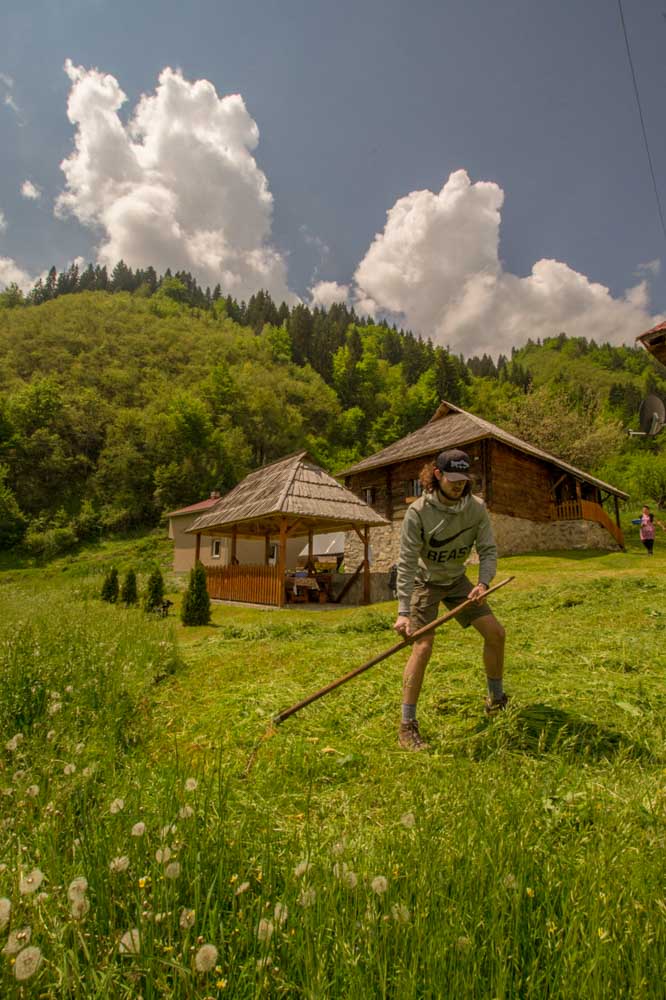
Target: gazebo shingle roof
{"points": [[294, 487], [451, 427]]}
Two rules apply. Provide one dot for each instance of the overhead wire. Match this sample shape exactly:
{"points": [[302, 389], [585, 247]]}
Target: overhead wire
{"points": [[640, 114]]}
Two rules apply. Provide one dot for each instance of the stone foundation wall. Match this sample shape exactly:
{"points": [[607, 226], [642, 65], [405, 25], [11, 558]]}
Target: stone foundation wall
{"points": [[513, 535]]}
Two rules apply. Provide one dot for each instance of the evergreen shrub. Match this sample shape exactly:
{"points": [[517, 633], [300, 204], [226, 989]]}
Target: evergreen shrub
{"points": [[128, 591], [155, 593], [196, 602], [110, 586]]}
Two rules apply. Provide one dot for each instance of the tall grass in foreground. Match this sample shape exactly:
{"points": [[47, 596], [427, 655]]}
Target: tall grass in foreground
{"points": [[522, 858]]}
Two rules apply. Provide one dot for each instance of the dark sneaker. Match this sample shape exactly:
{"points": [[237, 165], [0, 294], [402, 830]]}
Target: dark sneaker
{"points": [[409, 736], [493, 707]]}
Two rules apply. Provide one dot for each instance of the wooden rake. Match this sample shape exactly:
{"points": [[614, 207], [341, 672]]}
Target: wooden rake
{"points": [[286, 713]]}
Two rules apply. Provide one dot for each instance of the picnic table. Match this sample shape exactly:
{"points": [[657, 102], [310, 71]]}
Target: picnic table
{"points": [[303, 588]]}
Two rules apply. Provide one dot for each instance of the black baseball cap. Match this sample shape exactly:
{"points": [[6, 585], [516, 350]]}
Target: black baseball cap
{"points": [[455, 465]]}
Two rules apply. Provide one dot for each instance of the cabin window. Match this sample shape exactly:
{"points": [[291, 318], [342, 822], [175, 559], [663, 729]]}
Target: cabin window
{"points": [[216, 548], [273, 554], [369, 494], [414, 488]]}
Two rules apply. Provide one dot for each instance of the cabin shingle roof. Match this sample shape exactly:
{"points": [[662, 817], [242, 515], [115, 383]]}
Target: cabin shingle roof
{"points": [[451, 427]]}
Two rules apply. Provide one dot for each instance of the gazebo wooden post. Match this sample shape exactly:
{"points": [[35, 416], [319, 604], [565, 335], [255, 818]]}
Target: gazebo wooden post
{"points": [[366, 564], [310, 559], [267, 548], [282, 557], [197, 548], [617, 511], [234, 543]]}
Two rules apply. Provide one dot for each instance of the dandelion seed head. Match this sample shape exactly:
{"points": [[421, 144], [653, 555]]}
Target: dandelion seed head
{"points": [[12, 745], [32, 791], [173, 870], [265, 930], [138, 829], [116, 806], [77, 888], [281, 914], [18, 776], [120, 864], [408, 820], [379, 885], [205, 958], [243, 887], [400, 913], [162, 855], [130, 942], [17, 940], [31, 882], [338, 849], [350, 880], [69, 768], [510, 881], [79, 907], [191, 784], [186, 812], [41, 897], [264, 963], [307, 897], [79, 748], [5, 912], [166, 830], [54, 707], [187, 918], [302, 868], [27, 962], [51, 735]]}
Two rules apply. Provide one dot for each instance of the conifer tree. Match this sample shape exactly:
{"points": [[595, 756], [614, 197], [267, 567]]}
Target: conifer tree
{"points": [[110, 586], [196, 602], [155, 593], [128, 592]]}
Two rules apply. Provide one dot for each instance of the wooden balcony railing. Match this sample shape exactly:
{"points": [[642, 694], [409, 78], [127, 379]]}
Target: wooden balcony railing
{"points": [[586, 510], [253, 584]]}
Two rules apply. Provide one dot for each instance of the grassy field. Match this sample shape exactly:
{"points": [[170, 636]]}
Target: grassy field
{"points": [[518, 858]]}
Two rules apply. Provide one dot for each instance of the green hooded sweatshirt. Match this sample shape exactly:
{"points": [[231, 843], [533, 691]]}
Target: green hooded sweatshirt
{"points": [[436, 540]]}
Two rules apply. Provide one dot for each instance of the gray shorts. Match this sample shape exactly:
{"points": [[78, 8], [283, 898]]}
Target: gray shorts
{"points": [[426, 597]]}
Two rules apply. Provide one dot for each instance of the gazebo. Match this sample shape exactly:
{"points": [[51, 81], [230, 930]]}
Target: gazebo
{"points": [[290, 498]]}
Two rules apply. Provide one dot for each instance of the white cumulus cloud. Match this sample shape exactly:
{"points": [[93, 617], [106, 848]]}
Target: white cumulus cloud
{"points": [[178, 186], [12, 274], [30, 191], [436, 265], [3, 221], [327, 293]]}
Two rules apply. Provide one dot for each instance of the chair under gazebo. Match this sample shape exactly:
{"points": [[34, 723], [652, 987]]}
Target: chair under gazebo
{"points": [[291, 498]]}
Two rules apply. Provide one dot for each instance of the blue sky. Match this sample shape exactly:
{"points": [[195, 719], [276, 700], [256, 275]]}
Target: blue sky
{"points": [[474, 170]]}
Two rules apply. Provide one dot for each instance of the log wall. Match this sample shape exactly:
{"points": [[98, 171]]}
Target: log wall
{"points": [[521, 484]]}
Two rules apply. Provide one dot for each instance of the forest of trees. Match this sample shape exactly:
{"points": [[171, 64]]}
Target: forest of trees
{"points": [[125, 396]]}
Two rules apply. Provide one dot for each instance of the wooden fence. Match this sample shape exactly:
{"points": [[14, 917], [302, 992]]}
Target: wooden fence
{"points": [[253, 584], [586, 510]]}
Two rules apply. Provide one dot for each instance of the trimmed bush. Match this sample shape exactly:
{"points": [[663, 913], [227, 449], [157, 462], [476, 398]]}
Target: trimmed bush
{"points": [[155, 594], [110, 586], [196, 602], [128, 592]]}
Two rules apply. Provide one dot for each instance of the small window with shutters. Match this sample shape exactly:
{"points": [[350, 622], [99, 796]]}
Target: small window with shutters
{"points": [[369, 494], [413, 489]]}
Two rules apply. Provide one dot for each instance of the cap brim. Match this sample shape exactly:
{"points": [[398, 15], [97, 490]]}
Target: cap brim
{"points": [[456, 477]]}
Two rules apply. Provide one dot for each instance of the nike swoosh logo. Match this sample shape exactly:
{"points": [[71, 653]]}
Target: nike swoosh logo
{"points": [[437, 543]]}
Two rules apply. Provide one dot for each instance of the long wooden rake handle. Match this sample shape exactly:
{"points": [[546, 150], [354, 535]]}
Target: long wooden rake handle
{"points": [[281, 716]]}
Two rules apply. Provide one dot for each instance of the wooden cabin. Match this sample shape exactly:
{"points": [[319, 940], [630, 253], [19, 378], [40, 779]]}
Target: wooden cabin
{"points": [[535, 500], [654, 341]]}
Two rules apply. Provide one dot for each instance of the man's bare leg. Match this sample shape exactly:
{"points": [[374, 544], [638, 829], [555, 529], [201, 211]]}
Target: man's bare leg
{"points": [[493, 635]]}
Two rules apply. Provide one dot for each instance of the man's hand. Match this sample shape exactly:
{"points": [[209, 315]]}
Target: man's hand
{"points": [[403, 626], [477, 593]]}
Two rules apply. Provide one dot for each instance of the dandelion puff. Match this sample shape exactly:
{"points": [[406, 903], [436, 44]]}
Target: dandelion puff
{"points": [[340, 869], [205, 958], [400, 913], [32, 791], [69, 769], [162, 855], [265, 930], [187, 918], [41, 897], [77, 888], [186, 812], [172, 870], [302, 868], [338, 849], [120, 864], [280, 913], [18, 776], [408, 820], [30, 883], [130, 942], [243, 887], [379, 885], [17, 940], [138, 829], [79, 748], [27, 963], [69, 689], [51, 735], [79, 907], [307, 898], [5, 912], [54, 707], [264, 963], [191, 784], [12, 744], [166, 830], [87, 772], [116, 806], [510, 881], [350, 880]]}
